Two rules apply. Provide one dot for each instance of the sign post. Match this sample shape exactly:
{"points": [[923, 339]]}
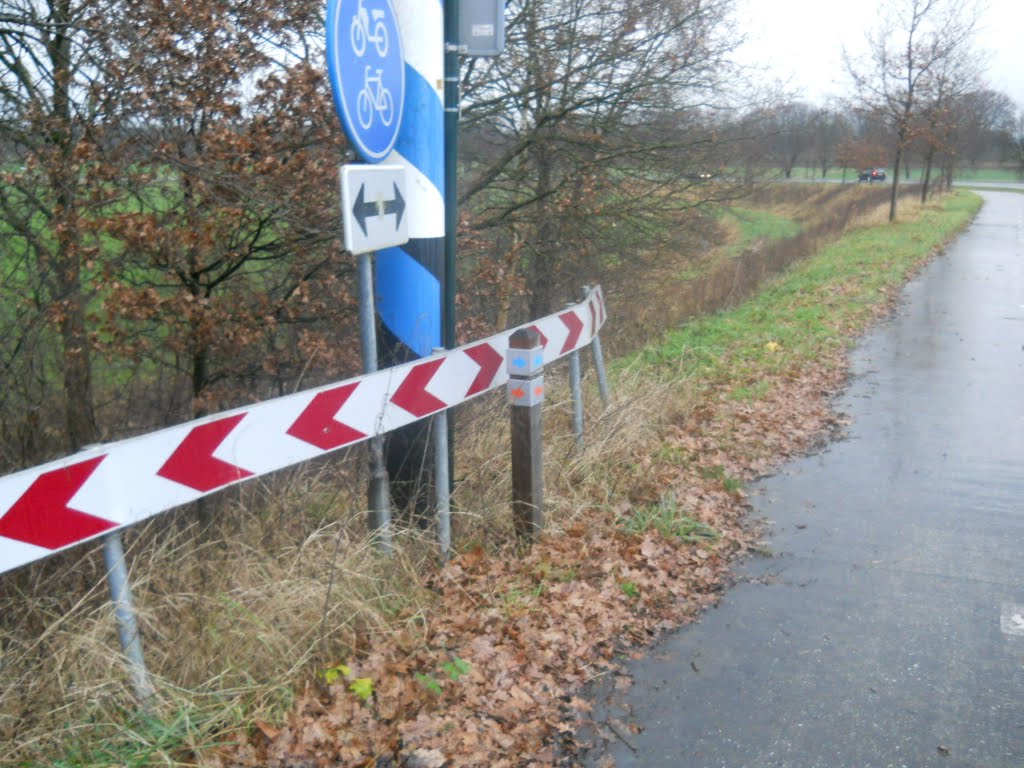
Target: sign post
{"points": [[373, 215], [367, 71]]}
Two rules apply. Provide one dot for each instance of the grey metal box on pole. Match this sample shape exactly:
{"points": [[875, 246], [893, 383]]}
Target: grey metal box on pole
{"points": [[481, 27]]}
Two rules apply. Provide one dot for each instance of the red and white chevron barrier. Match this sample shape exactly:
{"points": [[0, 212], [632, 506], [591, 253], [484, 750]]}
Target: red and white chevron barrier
{"points": [[57, 505]]}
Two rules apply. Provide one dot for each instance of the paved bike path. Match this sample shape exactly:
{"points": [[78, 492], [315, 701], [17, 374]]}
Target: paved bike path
{"points": [[887, 628]]}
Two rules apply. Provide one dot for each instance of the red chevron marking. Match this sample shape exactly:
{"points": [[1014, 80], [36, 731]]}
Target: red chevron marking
{"points": [[193, 463], [412, 394], [42, 516], [575, 326], [318, 425], [489, 360]]}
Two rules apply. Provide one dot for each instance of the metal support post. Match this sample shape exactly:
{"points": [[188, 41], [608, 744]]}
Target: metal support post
{"points": [[576, 385], [441, 480], [595, 348], [602, 376], [526, 395], [127, 624], [451, 205], [378, 499]]}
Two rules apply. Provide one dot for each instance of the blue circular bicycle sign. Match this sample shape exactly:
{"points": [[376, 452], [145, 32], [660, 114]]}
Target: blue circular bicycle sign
{"points": [[367, 70]]}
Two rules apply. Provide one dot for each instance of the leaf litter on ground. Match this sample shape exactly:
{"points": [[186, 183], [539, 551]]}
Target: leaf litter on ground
{"points": [[530, 631]]}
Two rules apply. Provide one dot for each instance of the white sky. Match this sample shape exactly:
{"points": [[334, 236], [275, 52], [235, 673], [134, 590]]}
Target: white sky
{"points": [[801, 42]]}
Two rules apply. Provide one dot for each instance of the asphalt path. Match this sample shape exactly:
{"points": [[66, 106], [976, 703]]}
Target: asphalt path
{"points": [[886, 628]]}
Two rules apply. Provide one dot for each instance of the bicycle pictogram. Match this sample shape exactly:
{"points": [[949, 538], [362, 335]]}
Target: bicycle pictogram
{"points": [[375, 100], [360, 31], [367, 71]]}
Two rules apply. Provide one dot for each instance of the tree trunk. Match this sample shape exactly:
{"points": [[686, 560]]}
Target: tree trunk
{"points": [[927, 174], [540, 282], [895, 182], [68, 296], [76, 356]]}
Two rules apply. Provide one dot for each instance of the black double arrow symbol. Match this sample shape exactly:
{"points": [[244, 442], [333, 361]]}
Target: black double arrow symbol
{"points": [[363, 210]]}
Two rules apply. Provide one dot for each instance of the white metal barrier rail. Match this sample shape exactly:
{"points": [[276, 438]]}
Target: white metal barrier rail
{"points": [[54, 506]]}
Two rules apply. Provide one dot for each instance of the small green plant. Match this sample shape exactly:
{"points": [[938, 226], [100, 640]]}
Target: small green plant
{"points": [[517, 599], [630, 589], [360, 686], [670, 520], [456, 668], [430, 683], [729, 483], [331, 675]]}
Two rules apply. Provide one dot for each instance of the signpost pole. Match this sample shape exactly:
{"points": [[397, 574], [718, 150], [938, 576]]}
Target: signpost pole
{"points": [[451, 203], [379, 515], [442, 480]]}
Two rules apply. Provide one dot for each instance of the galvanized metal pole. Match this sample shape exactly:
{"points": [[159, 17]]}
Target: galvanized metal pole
{"points": [[442, 481], [378, 499], [127, 624], [576, 386], [602, 376], [595, 348]]}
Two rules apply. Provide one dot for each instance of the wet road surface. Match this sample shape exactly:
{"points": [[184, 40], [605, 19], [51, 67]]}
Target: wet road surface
{"points": [[887, 627]]}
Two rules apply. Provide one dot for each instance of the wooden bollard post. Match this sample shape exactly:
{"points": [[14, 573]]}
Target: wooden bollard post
{"points": [[525, 395]]}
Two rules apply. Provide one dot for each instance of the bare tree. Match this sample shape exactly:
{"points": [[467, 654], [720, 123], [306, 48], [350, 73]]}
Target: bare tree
{"points": [[831, 130], [905, 64], [790, 129], [1017, 144], [945, 116], [587, 129]]}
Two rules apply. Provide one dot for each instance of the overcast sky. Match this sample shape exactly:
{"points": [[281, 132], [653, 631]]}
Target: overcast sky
{"points": [[801, 42]]}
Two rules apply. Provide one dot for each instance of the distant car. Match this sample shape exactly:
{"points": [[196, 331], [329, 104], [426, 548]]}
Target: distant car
{"points": [[872, 174]]}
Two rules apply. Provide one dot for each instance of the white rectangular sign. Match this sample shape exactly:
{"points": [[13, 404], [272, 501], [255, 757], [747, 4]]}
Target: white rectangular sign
{"points": [[373, 207]]}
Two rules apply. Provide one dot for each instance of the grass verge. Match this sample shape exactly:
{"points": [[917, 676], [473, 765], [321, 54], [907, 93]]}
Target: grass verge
{"points": [[817, 307]]}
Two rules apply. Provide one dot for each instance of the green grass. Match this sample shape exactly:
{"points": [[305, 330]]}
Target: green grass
{"points": [[980, 187], [142, 742], [987, 174], [758, 225], [670, 520], [814, 308], [755, 225]]}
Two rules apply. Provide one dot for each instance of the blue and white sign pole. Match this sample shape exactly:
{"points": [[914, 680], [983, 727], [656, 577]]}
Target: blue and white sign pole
{"points": [[410, 277]]}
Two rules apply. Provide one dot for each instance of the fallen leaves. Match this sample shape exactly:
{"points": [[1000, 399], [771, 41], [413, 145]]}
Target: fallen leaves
{"points": [[494, 677]]}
